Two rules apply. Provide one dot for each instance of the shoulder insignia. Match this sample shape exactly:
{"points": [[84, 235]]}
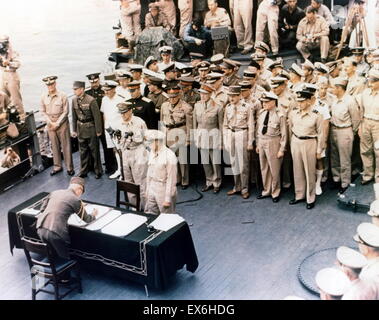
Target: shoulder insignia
{"points": [[146, 99]]}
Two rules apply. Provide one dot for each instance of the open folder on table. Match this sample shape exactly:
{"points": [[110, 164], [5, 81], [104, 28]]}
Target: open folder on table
{"points": [[75, 220], [166, 221], [124, 225], [101, 210], [105, 219]]}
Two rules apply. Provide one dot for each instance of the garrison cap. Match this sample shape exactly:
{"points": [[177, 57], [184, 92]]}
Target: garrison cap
{"points": [[357, 51], [373, 75], [49, 80], [109, 84], [278, 63], [135, 67], [263, 46], [258, 56], [155, 81], [255, 64], [123, 74], [206, 88], [78, 84], [248, 74], [368, 233], [277, 81], [165, 49], [170, 67], [268, 96], [351, 258], [374, 209], [196, 56], [79, 181], [308, 64], [203, 65], [125, 106], [93, 76], [321, 67], [245, 85], [151, 135], [234, 90], [217, 58], [296, 69], [340, 81], [149, 61], [332, 281]]}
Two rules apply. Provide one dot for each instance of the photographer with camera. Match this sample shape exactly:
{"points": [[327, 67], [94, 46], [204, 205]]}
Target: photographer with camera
{"points": [[197, 38], [10, 81], [134, 152]]}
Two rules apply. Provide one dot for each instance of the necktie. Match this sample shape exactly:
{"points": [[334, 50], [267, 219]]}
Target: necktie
{"points": [[265, 122]]}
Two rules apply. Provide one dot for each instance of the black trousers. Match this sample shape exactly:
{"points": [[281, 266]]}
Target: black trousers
{"points": [[89, 149], [59, 245]]}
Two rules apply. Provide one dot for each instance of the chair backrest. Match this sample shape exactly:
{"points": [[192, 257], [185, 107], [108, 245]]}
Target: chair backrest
{"points": [[42, 250], [128, 187]]}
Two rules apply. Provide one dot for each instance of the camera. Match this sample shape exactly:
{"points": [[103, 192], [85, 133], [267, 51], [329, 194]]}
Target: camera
{"points": [[128, 134]]}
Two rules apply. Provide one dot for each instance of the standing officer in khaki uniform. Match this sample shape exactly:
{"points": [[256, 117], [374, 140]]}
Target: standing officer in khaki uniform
{"points": [[130, 12], [238, 137], [230, 77], [188, 94], [271, 144], [157, 95], [169, 9], [344, 124], [268, 13], [9, 79], [242, 22], [305, 129], [369, 130], [176, 117], [87, 126], [134, 153], [219, 94], [54, 107], [208, 120], [185, 8]]}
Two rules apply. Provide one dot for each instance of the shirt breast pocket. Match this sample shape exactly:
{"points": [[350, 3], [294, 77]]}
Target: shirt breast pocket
{"points": [[178, 116], [242, 115], [57, 107]]}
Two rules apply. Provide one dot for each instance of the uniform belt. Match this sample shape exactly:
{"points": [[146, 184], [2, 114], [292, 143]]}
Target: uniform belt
{"points": [[304, 137], [86, 121], [372, 118], [176, 125], [336, 127], [5, 70], [237, 129]]}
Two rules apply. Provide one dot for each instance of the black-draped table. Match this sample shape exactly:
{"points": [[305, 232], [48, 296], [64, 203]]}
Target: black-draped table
{"points": [[149, 258]]}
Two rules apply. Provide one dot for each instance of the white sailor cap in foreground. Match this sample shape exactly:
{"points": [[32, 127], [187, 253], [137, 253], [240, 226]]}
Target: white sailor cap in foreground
{"points": [[368, 233], [332, 281], [351, 258], [374, 209], [151, 135]]}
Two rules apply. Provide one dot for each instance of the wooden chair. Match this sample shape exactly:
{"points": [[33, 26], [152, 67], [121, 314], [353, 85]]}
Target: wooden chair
{"points": [[128, 187], [44, 267]]}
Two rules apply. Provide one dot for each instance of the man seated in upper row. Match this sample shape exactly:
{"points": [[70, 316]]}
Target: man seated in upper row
{"points": [[289, 17], [197, 38], [156, 18]]}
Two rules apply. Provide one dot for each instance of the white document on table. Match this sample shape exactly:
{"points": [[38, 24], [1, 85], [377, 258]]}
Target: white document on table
{"points": [[100, 223], [124, 225], [75, 220], [101, 210], [166, 221], [30, 211]]}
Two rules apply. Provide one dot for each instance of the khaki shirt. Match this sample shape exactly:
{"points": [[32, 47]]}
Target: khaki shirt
{"points": [[162, 168], [138, 127], [54, 107], [255, 103], [179, 115], [231, 80], [317, 29], [345, 113], [208, 118], [356, 85], [219, 18], [191, 97], [158, 99], [240, 117], [13, 58], [306, 124], [220, 97], [276, 127], [368, 102], [159, 21], [286, 102]]}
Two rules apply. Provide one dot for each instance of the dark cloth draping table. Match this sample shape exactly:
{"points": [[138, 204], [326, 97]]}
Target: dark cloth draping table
{"points": [[142, 256]]}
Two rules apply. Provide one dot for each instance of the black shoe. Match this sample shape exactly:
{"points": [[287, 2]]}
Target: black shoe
{"points": [[82, 175], [53, 172], [364, 182], [262, 196], [323, 60], [284, 190], [70, 172], [216, 189], [276, 199], [342, 190], [206, 188], [98, 176], [294, 201], [354, 176], [184, 187], [310, 205]]}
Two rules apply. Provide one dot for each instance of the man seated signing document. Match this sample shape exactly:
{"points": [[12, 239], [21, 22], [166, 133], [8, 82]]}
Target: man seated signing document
{"points": [[56, 209]]}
